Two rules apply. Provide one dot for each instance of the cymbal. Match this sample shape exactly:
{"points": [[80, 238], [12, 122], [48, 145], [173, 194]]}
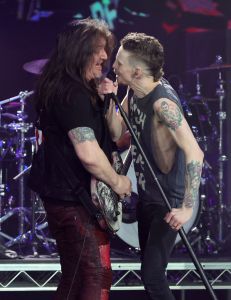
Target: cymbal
{"points": [[12, 105], [10, 116], [35, 66], [211, 68], [202, 99], [14, 117]]}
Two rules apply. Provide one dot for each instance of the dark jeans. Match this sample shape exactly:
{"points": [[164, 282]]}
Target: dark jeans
{"points": [[84, 253], [156, 242]]}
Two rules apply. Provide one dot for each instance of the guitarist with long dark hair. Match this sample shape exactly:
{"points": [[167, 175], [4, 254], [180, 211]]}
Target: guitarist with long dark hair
{"points": [[71, 119]]}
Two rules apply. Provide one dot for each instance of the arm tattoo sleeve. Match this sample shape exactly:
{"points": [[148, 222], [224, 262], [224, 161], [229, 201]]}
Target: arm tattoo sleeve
{"points": [[81, 134], [193, 176], [170, 115]]}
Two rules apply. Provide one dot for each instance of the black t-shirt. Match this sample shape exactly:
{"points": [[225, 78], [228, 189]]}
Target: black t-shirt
{"points": [[141, 115], [61, 117]]}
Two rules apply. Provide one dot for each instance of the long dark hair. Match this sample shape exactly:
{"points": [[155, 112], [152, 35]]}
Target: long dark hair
{"points": [[67, 64]]}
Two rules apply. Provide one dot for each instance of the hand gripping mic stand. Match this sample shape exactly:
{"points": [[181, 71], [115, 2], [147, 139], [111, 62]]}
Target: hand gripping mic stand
{"points": [[181, 230]]}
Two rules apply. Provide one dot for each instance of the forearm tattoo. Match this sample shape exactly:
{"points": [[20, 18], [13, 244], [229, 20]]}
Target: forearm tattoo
{"points": [[170, 115], [81, 134], [193, 176]]}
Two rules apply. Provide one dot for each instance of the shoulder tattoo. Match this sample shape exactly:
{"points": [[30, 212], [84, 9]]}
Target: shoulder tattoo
{"points": [[170, 115], [81, 134]]}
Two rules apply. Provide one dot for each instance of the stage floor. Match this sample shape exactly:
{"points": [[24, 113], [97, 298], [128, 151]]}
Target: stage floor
{"points": [[43, 273]]}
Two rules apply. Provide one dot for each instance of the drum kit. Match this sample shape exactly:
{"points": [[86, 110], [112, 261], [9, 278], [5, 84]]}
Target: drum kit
{"points": [[13, 128], [214, 219], [206, 229], [17, 145]]}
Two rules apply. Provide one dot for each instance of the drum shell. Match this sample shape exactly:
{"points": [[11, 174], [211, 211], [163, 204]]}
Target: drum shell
{"points": [[199, 116]]}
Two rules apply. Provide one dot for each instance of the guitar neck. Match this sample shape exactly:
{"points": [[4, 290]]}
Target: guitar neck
{"points": [[126, 162]]}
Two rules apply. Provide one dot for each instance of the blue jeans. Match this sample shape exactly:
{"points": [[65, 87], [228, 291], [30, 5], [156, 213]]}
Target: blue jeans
{"points": [[84, 252], [156, 242]]}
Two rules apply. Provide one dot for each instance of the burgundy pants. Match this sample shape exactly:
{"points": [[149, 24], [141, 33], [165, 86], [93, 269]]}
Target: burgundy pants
{"points": [[84, 253]]}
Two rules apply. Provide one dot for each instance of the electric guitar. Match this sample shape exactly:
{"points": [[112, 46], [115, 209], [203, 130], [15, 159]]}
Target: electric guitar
{"points": [[106, 200]]}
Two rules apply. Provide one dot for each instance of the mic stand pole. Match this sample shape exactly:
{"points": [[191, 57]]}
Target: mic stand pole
{"points": [[21, 95], [222, 159], [181, 231]]}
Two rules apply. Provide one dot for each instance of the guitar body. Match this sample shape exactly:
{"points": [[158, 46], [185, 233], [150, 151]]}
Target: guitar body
{"points": [[106, 200]]}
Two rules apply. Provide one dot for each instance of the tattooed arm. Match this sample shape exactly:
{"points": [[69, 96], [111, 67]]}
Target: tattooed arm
{"points": [[171, 117], [95, 161]]}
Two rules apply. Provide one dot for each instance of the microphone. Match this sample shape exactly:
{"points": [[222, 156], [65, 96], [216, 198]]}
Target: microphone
{"points": [[107, 100], [110, 74]]}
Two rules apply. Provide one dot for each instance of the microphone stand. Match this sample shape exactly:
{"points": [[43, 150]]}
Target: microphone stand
{"points": [[181, 231], [18, 97]]}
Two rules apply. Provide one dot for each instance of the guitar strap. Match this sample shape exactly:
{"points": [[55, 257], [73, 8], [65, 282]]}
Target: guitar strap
{"points": [[74, 182]]}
